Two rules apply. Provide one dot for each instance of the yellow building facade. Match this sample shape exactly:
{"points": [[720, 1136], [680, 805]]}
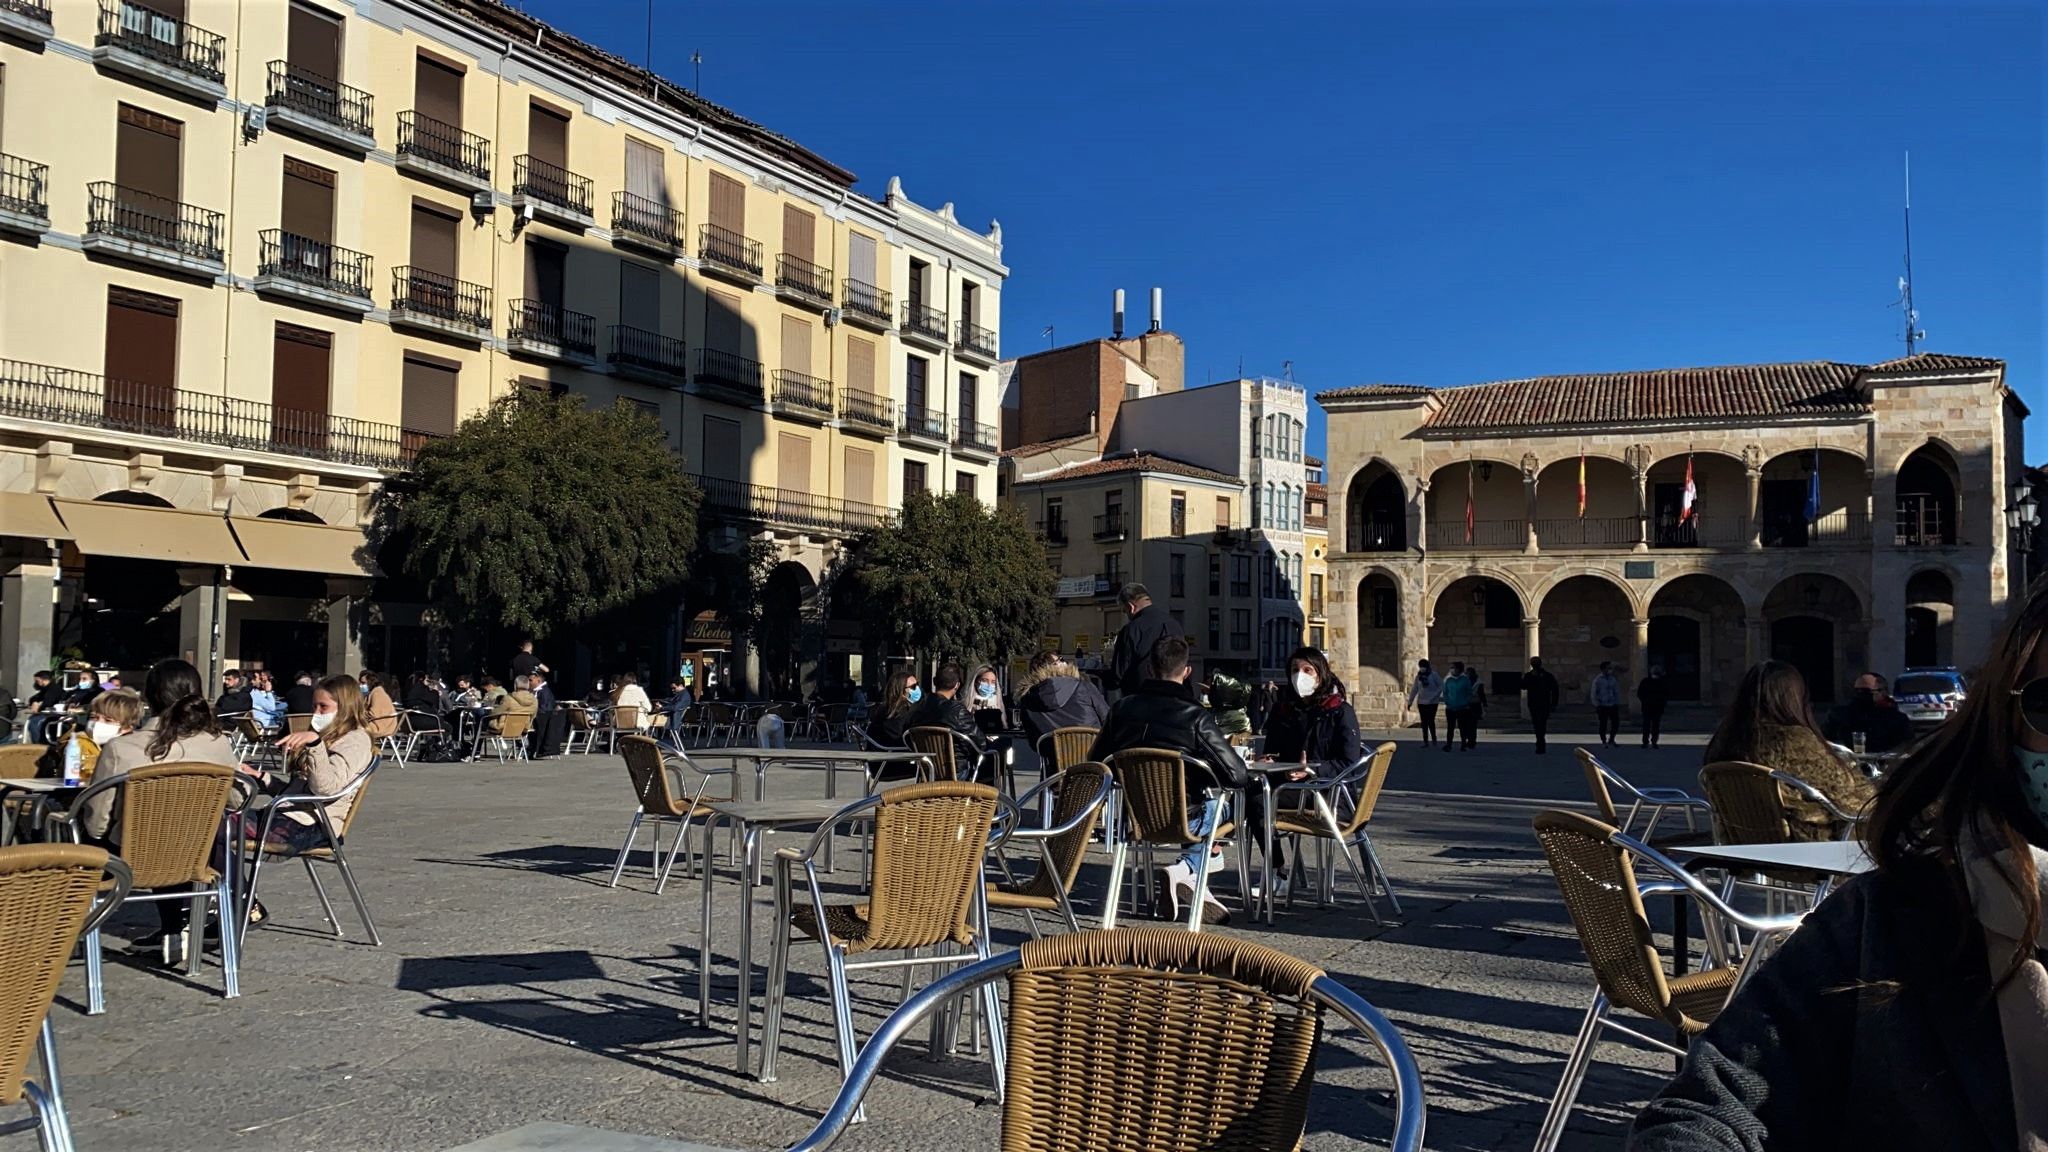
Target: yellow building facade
{"points": [[256, 253]]}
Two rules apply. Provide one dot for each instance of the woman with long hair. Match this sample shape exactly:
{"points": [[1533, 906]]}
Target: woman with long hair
{"points": [[899, 693], [1312, 726], [381, 715], [1910, 1010], [1771, 723], [327, 756]]}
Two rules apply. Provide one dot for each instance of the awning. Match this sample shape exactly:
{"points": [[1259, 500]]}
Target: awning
{"points": [[27, 514], [101, 528], [292, 546]]}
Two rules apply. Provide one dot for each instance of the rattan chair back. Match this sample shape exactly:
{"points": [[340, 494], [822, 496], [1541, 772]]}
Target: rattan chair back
{"points": [[18, 761], [626, 718], [1599, 887], [251, 729], [579, 717], [170, 815], [650, 776], [355, 804], [46, 892], [929, 843], [938, 744], [1071, 745], [298, 722], [1748, 806], [1159, 1040], [1154, 786], [1078, 788]]}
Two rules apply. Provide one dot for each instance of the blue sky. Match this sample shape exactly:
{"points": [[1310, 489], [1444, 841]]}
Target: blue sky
{"points": [[1434, 194]]}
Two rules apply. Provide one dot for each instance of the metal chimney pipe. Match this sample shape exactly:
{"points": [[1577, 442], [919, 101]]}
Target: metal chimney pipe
{"points": [[1158, 308], [1117, 317]]}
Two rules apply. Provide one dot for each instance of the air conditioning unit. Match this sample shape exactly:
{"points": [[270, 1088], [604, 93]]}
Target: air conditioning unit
{"points": [[832, 317], [254, 121]]}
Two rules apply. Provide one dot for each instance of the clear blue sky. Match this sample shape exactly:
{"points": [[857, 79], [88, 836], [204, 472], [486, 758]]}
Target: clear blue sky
{"points": [[1434, 194]]}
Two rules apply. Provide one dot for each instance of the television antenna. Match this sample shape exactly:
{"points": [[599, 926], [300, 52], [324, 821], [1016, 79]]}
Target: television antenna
{"points": [[1914, 333]]}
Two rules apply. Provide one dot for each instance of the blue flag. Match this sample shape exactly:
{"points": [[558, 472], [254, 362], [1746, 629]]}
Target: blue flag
{"points": [[1813, 491]]}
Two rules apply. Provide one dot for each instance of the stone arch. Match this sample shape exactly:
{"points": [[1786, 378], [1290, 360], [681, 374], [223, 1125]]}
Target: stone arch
{"points": [[1698, 636], [1435, 592], [1819, 623], [1476, 618], [1721, 509], [139, 499], [1376, 509], [1611, 514], [1930, 613], [1585, 618], [784, 639], [1550, 582], [1941, 445], [1380, 606], [1498, 500], [1844, 497], [294, 515]]}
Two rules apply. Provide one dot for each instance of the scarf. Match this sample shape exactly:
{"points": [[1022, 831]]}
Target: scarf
{"points": [[2023, 1002]]}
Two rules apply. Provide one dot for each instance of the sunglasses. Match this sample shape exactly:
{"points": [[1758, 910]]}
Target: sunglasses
{"points": [[2033, 702]]}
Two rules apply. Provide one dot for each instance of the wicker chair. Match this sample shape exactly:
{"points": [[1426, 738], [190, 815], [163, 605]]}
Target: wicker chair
{"points": [[1078, 795], [1318, 821], [1063, 748], [332, 852], [655, 794], [18, 761], [1751, 804], [930, 842], [298, 722], [952, 755], [506, 734], [582, 735], [1593, 865], [1153, 1039], [1153, 814], [1603, 783], [167, 818], [50, 895]]}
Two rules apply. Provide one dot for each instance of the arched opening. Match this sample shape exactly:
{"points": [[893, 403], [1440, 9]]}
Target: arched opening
{"points": [[1478, 620], [1930, 620], [139, 499], [1696, 637], [1816, 625], [1477, 505], [1814, 496], [787, 599], [295, 515], [1585, 620], [1376, 511], [1718, 516], [1379, 638], [1608, 519], [1927, 487]]}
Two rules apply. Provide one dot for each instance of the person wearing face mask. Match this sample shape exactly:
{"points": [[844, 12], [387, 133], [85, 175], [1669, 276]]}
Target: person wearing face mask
{"points": [[328, 756], [115, 713], [1910, 1009], [941, 707], [986, 705], [899, 696], [1423, 696], [1871, 712], [81, 697]]}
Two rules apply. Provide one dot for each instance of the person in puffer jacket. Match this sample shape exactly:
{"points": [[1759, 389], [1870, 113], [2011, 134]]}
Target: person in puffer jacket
{"points": [[1054, 694]]}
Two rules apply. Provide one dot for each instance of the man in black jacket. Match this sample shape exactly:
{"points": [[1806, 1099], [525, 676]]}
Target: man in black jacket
{"points": [[1542, 689], [235, 701], [941, 707], [1871, 712], [298, 699], [1149, 624]]}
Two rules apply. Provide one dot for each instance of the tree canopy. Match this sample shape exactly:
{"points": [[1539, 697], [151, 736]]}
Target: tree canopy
{"points": [[541, 513], [953, 577]]}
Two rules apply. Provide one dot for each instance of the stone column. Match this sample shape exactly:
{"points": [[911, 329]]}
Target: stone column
{"points": [[200, 619], [1753, 460], [1638, 663], [1640, 465], [1532, 640], [345, 607], [27, 622], [1529, 467], [1422, 514]]}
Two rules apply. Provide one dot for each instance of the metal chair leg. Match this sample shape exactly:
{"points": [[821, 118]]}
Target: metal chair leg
{"points": [[230, 955], [355, 895], [95, 989], [326, 905], [677, 849], [842, 1012], [626, 849], [195, 931], [52, 1134], [1575, 1066], [50, 1112], [1386, 881], [1115, 893], [778, 981]]}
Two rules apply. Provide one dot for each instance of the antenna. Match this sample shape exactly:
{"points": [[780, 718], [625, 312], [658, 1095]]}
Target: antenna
{"points": [[696, 73], [1287, 369], [649, 59], [1913, 332]]}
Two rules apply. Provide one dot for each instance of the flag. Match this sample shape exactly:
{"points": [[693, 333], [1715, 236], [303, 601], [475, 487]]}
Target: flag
{"points": [[1813, 491], [1468, 502], [1582, 485], [1685, 502]]}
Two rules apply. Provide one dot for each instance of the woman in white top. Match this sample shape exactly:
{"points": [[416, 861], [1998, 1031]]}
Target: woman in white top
{"points": [[630, 695], [1423, 695]]}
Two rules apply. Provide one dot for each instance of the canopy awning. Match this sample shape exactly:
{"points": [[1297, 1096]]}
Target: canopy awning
{"points": [[291, 546], [29, 514], [101, 528]]}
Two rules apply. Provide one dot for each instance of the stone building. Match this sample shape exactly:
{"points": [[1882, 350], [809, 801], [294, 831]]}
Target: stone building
{"points": [[1841, 517]]}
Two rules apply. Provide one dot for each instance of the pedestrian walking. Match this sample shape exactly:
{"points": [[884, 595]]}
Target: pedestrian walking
{"points": [[1457, 700], [1468, 725], [1607, 703], [1651, 695], [1542, 692], [1424, 695]]}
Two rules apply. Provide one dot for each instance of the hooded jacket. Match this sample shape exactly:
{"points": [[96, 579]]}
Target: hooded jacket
{"points": [[1057, 696]]}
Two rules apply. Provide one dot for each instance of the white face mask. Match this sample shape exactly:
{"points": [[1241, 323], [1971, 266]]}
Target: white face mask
{"points": [[1304, 683], [104, 730], [320, 720]]}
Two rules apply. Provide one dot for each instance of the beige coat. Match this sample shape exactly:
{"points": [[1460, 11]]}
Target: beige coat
{"points": [[331, 767], [124, 754]]}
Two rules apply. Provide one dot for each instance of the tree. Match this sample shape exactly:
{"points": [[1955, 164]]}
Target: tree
{"points": [[952, 577], [541, 513]]}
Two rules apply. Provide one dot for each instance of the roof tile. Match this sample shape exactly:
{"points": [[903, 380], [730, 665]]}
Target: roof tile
{"points": [[1136, 462]]}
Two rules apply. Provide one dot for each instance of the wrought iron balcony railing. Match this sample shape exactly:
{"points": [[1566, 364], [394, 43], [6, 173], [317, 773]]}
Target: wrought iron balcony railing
{"points": [[724, 248], [977, 341], [33, 9], [321, 97], [925, 423], [1700, 531], [532, 176], [865, 300], [729, 370], [924, 320], [803, 278], [1452, 536], [801, 390], [164, 39], [867, 408], [1589, 532], [542, 323], [1110, 526], [970, 437], [639, 348], [24, 187], [647, 221], [1054, 531], [315, 263], [146, 218], [431, 140], [785, 507], [430, 294]]}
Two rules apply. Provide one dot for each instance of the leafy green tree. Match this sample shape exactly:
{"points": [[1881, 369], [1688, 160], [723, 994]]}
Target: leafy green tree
{"points": [[951, 578], [541, 513]]}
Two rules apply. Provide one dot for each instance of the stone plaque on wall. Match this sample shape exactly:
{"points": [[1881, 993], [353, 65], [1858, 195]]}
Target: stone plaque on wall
{"points": [[1639, 569]]}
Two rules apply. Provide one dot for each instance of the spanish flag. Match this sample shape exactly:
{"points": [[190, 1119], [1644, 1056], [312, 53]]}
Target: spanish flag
{"points": [[1582, 485]]}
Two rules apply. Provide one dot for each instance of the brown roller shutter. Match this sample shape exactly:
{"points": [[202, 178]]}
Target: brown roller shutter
{"points": [[544, 272], [799, 233], [728, 204], [434, 238], [299, 374], [644, 175], [721, 459], [146, 151], [437, 91], [428, 405], [796, 344], [722, 328], [860, 476], [313, 42], [141, 359], [639, 296], [547, 135], [308, 201], [175, 9], [793, 462], [860, 364]]}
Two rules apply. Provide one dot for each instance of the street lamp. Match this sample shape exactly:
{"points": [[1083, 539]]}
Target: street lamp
{"points": [[2023, 515]]}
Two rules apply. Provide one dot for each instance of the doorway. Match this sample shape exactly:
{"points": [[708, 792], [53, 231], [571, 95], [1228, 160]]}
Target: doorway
{"points": [[1808, 644], [1675, 647]]}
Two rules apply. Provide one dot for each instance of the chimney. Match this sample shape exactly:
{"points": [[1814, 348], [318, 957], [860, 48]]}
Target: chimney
{"points": [[1116, 328], [1158, 307]]}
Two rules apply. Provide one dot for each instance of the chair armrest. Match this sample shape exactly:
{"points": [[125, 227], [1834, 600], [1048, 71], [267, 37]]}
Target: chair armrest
{"points": [[1809, 792], [1706, 897]]}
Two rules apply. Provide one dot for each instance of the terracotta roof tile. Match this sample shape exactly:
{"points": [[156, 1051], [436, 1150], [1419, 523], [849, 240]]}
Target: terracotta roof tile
{"points": [[1365, 391], [1135, 462], [1048, 445], [1936, 360]]}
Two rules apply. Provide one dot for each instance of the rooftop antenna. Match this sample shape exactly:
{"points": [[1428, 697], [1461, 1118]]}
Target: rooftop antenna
{"points": [[1914, 334], [697, 73], [647, 61], [1287, 369]]}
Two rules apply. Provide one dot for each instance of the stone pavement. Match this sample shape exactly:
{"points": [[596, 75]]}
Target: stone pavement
{"points": [[513, 987]]}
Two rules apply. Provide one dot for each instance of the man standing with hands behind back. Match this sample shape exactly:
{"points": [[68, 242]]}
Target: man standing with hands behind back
{"points": [[1542, 689], [1149, 624]]}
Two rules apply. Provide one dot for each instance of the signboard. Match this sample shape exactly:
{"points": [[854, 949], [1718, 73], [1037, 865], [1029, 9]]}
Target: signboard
{"points": [[1050, 642], [1081, 642], [1639, 569], [1075, 587]]}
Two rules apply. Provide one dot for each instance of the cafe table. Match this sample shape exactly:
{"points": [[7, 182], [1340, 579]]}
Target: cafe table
{"points": [[1830, 857], [43, 793], [834, 759]]}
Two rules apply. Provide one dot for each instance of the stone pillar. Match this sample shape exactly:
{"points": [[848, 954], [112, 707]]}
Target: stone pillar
{"points": [[27, 622], [1755, 473], [1638, 663], [1640, 465], [1755, 647], [1421, 514], [1532, 640], [201, 616], [345, 606], [1529, 544]]}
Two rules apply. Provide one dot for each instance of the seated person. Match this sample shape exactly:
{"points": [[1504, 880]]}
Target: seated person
{"points": [[236, 700], [901, 695], [263, 701], [423, 700], [942, 707], [1771, 723], [298, 699], [1166, 712], [1312, 725], [1871, 712], [1056, 695], [986, 706], [518, 702], [630, 695], [382, 716]]}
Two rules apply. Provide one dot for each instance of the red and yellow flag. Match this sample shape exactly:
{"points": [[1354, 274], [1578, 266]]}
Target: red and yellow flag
{"points": [[1582, 485]]}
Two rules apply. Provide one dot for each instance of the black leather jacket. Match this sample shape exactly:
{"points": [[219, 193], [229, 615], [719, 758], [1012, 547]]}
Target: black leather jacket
{"points": [[936, 711], [1163, 714]]}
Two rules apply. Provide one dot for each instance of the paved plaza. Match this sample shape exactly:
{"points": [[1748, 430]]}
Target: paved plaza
{"points": [[513, 987]]}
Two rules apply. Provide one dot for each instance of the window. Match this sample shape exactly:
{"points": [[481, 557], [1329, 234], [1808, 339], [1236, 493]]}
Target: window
{"points": [[796, 343], [299, 371], [728, 204], [147, 171], [1177, 574], [793, 462], [308, 208], [1113, 568], [1113, 510], [914, 368], [1240, 629], [860, 475], [920, 277], [435, 236], [1315, 594], [546, 272], [1222, 513], [1180, 622], [1257, 443], [1215, 576], [1177, 514], [313, 42], [1315, 637], [141, 358], [427, 403], [1240, 574], [639, 297], [547, 140], [1215, 629], [1266, 575], [799, 233], [860, 259], [437, 92], [860, 364], [963, 483], [969, 410], [723, 329], [721, 458], [1055, 520], [1294, 580], [970, 295], [913, 476], [646, 180]]}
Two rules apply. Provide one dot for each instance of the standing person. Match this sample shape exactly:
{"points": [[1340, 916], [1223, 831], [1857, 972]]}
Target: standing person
{"points": [[1056, 695], [1457, 698], [1771, 723], [1468, 725], [1908, 1010], [1607, 703], [1652, 694], [1542, 691], [525, 663], [1424, 694], [1135, 640], [550, 721]]}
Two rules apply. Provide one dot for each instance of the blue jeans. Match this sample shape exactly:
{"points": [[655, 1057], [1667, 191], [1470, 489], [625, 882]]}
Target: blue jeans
{"points": [[1198, 825]]}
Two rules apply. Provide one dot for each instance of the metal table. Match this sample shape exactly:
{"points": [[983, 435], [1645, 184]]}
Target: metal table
{"points": [[47, 791], [1834, 857], [832, 758]]}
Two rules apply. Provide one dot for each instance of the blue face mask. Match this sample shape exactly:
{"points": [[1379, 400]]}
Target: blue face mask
{"points": [[914, 695], [2034, 778], [984, 689]]}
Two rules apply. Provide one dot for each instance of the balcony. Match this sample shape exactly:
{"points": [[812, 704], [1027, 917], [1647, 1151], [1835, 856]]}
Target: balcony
{"points": [[924, 424], [130, 224], [976, 343], [726, 253], [553, 194], [146, 45], [1383, 535], [1700, 532], [974, 439], [313, 272], [1485, 536], [1054, 531], [1109, 585], [435, 303], [738, 378], [925, 325], [83, 399], [27, 20], [24, 195], [319, 107], [736, 500], [1595, 532], [802, 396], [1111, 526], [1834, 529], [799, 280], [443, 153], [648, 357], [550, 332], [865, 412], [865, 306], [648, 225], [1225, 535]]}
